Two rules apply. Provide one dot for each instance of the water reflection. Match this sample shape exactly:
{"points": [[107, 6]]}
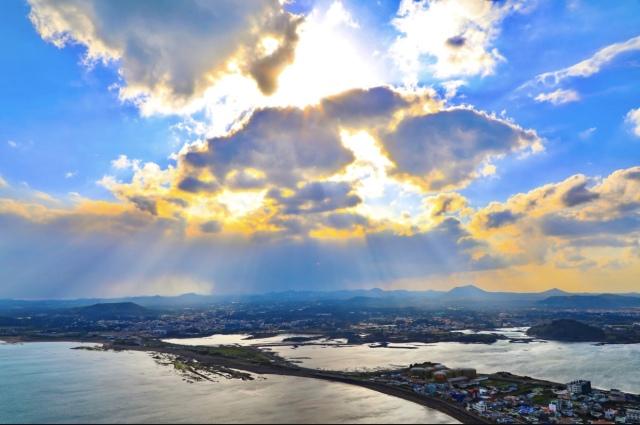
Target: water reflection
{"points": [[48, 382]]}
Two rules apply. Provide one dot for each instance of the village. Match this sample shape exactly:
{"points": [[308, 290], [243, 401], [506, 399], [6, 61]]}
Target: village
{"points": [[507, 398]]}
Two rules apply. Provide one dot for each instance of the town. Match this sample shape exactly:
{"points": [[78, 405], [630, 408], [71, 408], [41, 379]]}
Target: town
{"points": [[506, 398], [357, 320]]}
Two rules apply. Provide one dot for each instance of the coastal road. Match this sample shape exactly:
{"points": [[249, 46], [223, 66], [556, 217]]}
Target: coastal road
{"points": [[455, 411]]}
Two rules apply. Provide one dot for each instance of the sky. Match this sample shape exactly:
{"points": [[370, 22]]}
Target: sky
{"points": [[216, 147]]}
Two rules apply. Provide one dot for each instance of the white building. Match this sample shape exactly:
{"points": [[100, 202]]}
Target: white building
{"points": [[579, 387]]}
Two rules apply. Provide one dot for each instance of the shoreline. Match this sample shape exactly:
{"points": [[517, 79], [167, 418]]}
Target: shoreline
{"points": [[437, 404], [253, 359], [455, 412]]}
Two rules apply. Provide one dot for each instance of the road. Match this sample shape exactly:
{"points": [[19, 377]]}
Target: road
{"points": [[455, 411]]}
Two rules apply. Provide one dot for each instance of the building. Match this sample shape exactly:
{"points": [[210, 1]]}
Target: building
{"points": [[579, 387], [633, 416]]}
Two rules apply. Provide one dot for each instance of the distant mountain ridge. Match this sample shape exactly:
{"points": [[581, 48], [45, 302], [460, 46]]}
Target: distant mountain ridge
{"points": [[464, 296], [601, 301]]}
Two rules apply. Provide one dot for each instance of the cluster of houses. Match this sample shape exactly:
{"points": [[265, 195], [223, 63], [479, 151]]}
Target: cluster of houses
{"points": [[505, 398]]}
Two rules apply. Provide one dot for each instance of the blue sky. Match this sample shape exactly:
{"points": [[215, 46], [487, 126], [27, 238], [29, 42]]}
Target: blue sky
{"points": [[43, 83], [63, 117], [111, 124]]}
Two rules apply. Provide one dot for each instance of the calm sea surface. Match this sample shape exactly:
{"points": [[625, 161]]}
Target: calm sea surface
{"points": [[608, 366], [49, 382]]}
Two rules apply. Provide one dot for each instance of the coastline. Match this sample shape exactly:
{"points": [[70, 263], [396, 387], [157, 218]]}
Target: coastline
{"points": [[290, 369], [439, 405], [252, 359]]}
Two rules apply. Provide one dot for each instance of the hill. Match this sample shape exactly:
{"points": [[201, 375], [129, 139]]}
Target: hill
{"points": [[113, 311], [567, 330]]}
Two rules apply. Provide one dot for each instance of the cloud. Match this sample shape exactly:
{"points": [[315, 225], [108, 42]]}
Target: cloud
{"points": [[595, 219], [586, 134], [445, 204], [372, 152], [558, 97], [97, 248], [174, 51], [338, 14], [145, 204], [194, 185], [211, 226], [451, 88], [12, 144], [122, 254], [501, 218], [592, 65], [633, 119], [3, 183], [554, 225], [445, 149], [578, 194], [457, 36], [317, 197], [124, 163], [285, 146], [346, 220]]}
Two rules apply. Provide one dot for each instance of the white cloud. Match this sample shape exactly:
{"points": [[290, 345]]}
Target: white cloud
{"points": [[123, 163], [338, 14], [457, 35], [592, 65], [558, 97], [174, 51], [70, 174], [633, 119], [586, 134], [12, 144], [3, 183], [451, 88]]}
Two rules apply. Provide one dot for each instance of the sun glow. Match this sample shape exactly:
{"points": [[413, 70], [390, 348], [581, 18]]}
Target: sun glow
{"points": [[384, 198], [330, 59], [241, 203]]}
